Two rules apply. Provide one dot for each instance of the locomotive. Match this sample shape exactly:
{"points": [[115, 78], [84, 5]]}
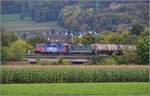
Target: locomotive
{"points": [[73, 49], [51, 48]]}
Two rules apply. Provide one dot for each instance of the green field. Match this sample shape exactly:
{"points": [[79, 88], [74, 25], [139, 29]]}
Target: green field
{"points": [[13, 23], [74, 74], [13, 17], [84, 89]]}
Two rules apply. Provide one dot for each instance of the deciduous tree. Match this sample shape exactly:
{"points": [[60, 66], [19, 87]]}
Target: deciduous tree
{"points": [[137, 29], [18, 49], [143, 47]]}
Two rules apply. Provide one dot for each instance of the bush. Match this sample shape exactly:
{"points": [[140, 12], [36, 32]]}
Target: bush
{"points": [[103, 60], [45, 62], [109, 61], [96, 60], [127, 58], [57, 74], [38, 60], [5, 55], [61, 61]]}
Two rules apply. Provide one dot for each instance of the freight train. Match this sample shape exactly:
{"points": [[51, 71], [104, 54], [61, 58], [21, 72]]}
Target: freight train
{"points": [[65, 48]]}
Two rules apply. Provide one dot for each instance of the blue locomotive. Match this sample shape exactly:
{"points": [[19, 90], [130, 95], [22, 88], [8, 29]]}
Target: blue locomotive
{"points": [[51, 48]]}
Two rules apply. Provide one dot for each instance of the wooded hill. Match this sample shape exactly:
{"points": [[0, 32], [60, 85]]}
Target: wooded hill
{"points": [[83, 15]]}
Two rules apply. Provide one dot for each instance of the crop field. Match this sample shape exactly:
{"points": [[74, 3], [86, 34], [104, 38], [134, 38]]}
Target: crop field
{"points": [[74, 73]]}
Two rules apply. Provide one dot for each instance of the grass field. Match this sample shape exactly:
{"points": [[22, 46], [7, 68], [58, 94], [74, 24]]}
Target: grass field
{"points": [[13, 23], [13, 17], [74, 89]]}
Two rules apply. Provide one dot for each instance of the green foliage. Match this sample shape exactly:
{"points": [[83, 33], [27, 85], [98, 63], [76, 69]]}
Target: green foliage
{"points": [[18, 49], [5, 54], [96, 60], [137, 29], [96, 17], [74, 15], [74, 74], [8, 38], [109, 61], [143, 47], [113, 38], [99, 60], [131, 39], [77, 40], [117, 38], [37, 39], [87, 39], [127, 58], [108, 38], [15, 51], [61, 61]]}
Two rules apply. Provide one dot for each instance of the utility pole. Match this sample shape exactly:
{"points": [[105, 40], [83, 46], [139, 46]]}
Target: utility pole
{"points": [[72, 37]]}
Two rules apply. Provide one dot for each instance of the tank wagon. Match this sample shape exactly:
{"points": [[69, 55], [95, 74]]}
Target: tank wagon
{"points": [[111, 48]]}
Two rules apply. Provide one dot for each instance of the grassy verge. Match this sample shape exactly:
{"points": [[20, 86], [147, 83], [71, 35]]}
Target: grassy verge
{"points": [[64, 89]]}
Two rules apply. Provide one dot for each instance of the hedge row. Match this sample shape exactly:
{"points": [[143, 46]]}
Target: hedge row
{"points": [[74, 74]]}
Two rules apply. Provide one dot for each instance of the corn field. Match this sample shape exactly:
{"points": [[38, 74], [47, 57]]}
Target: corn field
{"points": [[73, 73]]}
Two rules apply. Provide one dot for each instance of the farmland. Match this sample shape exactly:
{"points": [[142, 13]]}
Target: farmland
{"points": [[53, 36], [13, 17], [74, 89], [13, 23], [75, 73]]}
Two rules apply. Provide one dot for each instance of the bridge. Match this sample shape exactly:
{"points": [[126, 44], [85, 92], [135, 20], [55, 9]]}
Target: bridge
{"points": [[32, 58]]}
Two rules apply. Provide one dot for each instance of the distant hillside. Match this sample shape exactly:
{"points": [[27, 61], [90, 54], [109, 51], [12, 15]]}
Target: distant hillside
{"points": [[104, 16], [80, 15]]}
